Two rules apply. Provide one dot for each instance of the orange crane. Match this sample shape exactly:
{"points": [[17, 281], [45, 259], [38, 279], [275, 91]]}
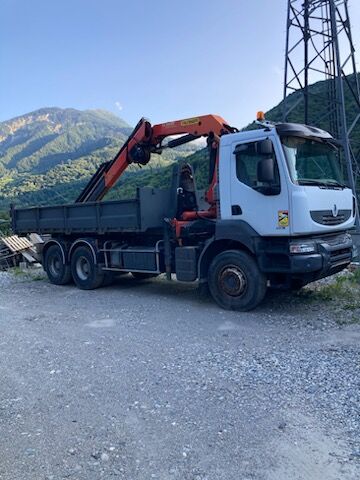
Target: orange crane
{"points": [[146, 139]]}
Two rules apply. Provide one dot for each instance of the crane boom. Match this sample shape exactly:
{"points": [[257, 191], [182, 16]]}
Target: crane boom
{"points": [[108, 172], [146, 139]]}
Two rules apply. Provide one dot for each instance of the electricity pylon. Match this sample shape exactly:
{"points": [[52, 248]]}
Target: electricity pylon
{"points": [[319, 46]]}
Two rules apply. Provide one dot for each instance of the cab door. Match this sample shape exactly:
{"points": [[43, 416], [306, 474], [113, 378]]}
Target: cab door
{"points": [[257, 197]]}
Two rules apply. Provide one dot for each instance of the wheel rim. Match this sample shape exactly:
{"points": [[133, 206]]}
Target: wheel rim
{"points": [[55, 265], [233, 281], [83, 268]]}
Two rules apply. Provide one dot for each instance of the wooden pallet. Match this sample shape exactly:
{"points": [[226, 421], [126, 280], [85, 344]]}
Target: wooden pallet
{"points": [[7, 258], [12, 248], [16, 244]]}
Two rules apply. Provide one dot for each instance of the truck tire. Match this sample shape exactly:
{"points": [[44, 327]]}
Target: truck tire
{"points": [[235, 281], [86, 273], [143, 275], [57, 272]]}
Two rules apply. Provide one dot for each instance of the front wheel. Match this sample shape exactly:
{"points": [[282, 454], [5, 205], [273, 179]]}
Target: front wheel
{"points": [[235, 281]]}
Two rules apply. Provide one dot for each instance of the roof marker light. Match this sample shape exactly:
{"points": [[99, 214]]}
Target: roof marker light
{"points": [[260, 116]]}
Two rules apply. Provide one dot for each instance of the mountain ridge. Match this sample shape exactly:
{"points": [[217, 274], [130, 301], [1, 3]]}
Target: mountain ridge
{"points": [[49, 147]]}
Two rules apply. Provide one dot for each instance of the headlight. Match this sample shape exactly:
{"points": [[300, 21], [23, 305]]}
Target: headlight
{"points": [[302, 247]]}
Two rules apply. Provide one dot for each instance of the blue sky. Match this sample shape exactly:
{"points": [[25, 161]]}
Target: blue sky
{"points": [[160, 59]]}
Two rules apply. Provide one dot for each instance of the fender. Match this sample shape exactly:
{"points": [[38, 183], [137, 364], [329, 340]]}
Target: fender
{"points": [[238, 231], [228, 234], [57, 242], [89, 243]]}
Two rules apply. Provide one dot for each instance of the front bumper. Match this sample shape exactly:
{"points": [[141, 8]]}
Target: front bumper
{"points": [[333, 253]]}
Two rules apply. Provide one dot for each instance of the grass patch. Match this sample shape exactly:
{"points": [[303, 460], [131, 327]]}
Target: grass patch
{"points": [[343, 292], [17, 272], [33, 275]]}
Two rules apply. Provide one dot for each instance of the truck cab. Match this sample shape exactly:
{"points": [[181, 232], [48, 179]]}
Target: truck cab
{"points": [[306, 192], [285, 184]]}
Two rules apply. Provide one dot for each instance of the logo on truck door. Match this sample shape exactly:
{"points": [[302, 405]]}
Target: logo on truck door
{"points": [[283, 218]]}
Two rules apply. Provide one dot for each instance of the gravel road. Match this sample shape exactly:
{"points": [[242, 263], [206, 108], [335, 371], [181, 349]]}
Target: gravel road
{"points": [[148, 381]]}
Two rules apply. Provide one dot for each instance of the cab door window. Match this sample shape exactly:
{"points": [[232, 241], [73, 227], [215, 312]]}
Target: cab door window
{"points": [[256, 166]]}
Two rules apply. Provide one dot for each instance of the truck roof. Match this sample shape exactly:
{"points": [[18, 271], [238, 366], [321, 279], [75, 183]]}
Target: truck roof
{"points": [[301, 130], [282, 129]]}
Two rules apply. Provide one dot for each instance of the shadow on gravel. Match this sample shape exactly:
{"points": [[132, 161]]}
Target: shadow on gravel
{"points": [[188, 292], [275, 301], [315, 302]]}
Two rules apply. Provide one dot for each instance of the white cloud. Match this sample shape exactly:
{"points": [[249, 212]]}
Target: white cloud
{"points": [[118, 106]]}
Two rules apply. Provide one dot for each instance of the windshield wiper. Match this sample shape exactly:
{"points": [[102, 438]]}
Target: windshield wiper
{"points": [[335, 183], [321, 183]]}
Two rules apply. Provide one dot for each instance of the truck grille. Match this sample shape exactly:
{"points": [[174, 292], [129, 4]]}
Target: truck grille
{"points": [[326, 217], [340, 257], [338, 248]]}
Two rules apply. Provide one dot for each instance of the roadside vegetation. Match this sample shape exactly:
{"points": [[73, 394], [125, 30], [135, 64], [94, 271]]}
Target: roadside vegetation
{"points": [[28, 274], [342, 292], [4, 224]]}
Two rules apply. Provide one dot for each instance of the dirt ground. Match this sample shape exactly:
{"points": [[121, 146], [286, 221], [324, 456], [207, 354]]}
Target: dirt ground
{"points": [[145, 380]]}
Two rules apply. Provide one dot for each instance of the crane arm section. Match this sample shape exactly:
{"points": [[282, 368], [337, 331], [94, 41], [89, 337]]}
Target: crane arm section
{"points": [[108, 173]]}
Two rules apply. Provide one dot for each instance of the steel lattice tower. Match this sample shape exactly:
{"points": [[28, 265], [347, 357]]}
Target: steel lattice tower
{"points": [[319, 46]]}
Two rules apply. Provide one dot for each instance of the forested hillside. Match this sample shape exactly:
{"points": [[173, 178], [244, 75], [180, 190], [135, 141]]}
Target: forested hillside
{"points": [[46, 155]]}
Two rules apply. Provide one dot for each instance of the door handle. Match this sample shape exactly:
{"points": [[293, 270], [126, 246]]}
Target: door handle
{"points": [[236, 210]]}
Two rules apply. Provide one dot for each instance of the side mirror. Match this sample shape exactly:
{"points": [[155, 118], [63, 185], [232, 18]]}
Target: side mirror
{"points": [[266, 170], [265, 147]]}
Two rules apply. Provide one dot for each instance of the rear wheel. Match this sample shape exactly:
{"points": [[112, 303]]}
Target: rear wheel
{"points": [[86, 273], [235, 281], [57, 271]]}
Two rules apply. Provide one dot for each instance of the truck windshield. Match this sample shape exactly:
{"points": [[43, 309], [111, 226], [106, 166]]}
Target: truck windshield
{"points": [[313, 162]]}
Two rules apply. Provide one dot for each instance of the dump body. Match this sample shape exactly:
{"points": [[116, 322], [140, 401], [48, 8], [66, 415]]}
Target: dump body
{"points": [[140, 214]]}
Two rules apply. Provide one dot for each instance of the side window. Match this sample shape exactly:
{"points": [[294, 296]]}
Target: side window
{"points": [[256, 166]]}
